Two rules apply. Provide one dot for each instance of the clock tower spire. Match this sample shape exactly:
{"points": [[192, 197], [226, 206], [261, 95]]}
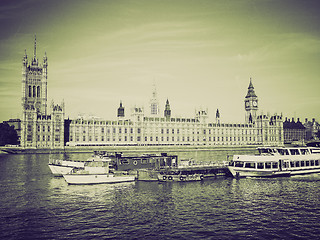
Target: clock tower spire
{"points": [[251, 104]]}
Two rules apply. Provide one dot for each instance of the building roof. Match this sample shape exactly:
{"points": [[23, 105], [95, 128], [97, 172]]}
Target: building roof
{"points": [[251, 92], [287, 124]]}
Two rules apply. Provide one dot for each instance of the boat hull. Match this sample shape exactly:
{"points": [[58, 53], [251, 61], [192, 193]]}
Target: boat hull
{"points": [[81, 179], [240, 172], [180, 178], [305, 171], [58, 170]]}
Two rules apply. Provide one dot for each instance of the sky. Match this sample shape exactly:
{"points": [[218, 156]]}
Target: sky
{"points": [[198, 54]]}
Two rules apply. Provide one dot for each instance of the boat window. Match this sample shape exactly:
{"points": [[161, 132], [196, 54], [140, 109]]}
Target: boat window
{"points": [[316, 162], [302, 164], [280, 151], [304, 151], [267, 151], [307, 163], [238, 164], [317, 150], [144, 161], [268, 165], [124, 161], [260, 165], [294, 152], [283, 151], [297, 164], [250, 165], [291, 164], [95, 164], [312, 162], [274, 165]]}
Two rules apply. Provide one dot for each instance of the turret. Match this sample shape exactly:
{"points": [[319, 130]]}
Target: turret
{"points": [[35, 60], [167, 111], [154, 104], [202, 115], [120, 111], [218, 117], [251, 104]]}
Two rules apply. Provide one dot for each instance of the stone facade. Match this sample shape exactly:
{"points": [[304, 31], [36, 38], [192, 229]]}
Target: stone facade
{"points": [[38, 128], [294, 131], [41, 128], [141, 129]]}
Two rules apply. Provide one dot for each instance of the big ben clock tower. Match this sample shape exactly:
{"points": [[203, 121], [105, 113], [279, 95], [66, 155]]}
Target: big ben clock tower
{"points": [[251, 104]]}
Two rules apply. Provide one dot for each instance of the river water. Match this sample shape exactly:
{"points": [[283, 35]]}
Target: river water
{"points": [[36, 205]]}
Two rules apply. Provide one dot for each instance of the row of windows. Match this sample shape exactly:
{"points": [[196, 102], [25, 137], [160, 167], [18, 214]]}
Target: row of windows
{"points": [[43, 128], [44, 138], [168, 131], [29, 128], [274, 165], [34, 91], [162, 139]]}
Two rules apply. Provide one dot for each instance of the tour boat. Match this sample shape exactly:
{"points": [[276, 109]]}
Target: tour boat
{"points": [[95, 172], [276, 162], [59, 167]]}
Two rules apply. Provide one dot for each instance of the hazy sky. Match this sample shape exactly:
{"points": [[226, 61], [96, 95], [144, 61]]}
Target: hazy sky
{"points": [[198, 53]]}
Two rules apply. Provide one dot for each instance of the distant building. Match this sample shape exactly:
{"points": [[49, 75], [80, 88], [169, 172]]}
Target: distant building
{"points": [[38, 128], [312, 129], [294, 131], [141, 129]]}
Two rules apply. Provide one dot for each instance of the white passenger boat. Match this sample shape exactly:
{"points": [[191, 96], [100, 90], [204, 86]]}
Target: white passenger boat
{"points": [[276, 161], [95, 172], [59, 167]]}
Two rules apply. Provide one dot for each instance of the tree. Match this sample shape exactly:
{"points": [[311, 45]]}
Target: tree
{"points": [[8, 135], [318, 134]]}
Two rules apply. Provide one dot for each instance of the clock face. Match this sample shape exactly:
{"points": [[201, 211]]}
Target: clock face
{"points": [[247, 104], [255, 103]]}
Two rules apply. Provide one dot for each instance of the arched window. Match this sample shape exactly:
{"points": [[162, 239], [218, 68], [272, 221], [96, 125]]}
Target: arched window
{"points": [[38, 91], [30, 91], [34, 91]]}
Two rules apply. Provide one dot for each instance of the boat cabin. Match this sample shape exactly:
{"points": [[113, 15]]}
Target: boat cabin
{"points": [[125, 162], [284, 151]]}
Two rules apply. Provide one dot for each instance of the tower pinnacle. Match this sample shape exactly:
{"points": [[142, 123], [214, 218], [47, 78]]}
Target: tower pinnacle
{"points": [[251, 92], [35, 47]]}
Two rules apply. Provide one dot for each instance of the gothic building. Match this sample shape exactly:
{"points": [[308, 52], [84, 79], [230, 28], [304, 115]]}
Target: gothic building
{"points": [[143, 129], [46, 128], [39, 129]]}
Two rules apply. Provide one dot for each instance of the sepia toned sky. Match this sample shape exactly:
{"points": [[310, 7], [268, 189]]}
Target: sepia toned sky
{"points": [[198, 54]]}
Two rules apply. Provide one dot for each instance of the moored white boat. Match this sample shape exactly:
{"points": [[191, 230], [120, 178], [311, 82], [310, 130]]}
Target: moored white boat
{"points": [[59, 167], [276, 162], [95, 172]]}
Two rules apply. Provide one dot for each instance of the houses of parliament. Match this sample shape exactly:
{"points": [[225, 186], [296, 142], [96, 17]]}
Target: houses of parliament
{"points": [[44, 126]]}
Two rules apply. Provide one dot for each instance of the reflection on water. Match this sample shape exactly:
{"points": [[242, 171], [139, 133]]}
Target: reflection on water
{"points": [[36, 205]]}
